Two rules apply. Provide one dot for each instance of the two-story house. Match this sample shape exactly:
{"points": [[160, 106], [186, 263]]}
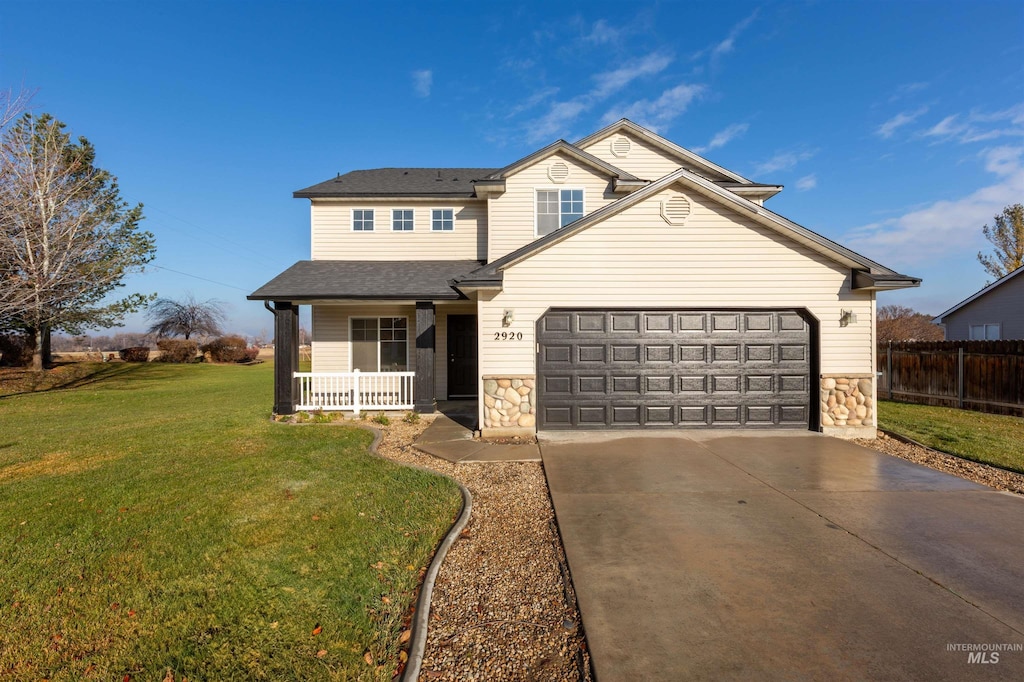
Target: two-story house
{"points": [[618, 282]]}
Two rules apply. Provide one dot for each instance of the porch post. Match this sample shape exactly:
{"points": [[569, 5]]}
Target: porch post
{"points": [[425, 341], [286, 355]]}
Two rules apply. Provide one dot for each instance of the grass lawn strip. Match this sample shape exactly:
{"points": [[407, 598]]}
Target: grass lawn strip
{"points": [[988, 438], [156, 522]]}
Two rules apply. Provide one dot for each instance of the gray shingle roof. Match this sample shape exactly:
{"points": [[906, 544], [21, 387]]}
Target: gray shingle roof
{"points": [[399, 182], [334, 279]]}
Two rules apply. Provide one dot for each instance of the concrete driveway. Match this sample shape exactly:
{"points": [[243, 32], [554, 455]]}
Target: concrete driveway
{"points": [[785, 556]]}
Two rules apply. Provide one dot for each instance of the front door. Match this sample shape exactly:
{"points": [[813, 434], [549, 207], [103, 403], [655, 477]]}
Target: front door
{"points": [[462, 372]]}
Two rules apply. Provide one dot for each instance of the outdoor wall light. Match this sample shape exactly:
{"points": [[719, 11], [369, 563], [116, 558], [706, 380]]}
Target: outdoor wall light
{"points": [[508, 317], [846, 318]]}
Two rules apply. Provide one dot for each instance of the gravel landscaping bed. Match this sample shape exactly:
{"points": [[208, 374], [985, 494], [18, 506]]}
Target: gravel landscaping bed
{"points": [[994, 477], [503, 607]]}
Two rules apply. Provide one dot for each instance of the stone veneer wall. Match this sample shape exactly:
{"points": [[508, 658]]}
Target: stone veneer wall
{"points": [[847, 400], [509, 402]]}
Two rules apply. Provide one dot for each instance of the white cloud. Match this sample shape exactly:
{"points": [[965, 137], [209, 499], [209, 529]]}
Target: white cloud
{"points": [[560, 115], [724, 137], [532, 101], [977, 126], [946, 227], [657, 113], [422, 81], [610, 82], [602, 33], [908, 89], [947, 127], [784, 161], [889, 128], [807, 182], [1003, 160], [729, 44]]}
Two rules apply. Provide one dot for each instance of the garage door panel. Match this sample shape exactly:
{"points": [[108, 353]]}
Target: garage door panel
{"points": [[638, 368]]}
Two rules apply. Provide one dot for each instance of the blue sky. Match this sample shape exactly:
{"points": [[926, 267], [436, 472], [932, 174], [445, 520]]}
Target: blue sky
{"points": [[897, 128]]}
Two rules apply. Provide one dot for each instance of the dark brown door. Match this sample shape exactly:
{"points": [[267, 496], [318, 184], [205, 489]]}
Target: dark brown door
{"points": [[462, 372]]}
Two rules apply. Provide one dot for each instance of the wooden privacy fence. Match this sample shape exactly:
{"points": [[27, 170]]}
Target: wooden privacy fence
{"points": [[987, 376]]}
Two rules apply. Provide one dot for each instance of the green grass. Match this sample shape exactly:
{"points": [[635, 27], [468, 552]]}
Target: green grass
{"points": [[154, 519], [988, 438]]}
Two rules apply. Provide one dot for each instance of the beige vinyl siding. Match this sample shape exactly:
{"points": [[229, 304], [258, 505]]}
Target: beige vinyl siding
{"points": [[331, 333], [331, 336], [717, 259], [513, 214], [333, 238], [644, 160]]}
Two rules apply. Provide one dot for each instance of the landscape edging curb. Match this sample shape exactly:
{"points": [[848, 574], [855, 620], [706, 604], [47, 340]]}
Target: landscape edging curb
{"points": [[418, 640]]}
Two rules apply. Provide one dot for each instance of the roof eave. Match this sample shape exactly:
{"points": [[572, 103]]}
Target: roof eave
{"points": [[383, 195], [867, 281]]}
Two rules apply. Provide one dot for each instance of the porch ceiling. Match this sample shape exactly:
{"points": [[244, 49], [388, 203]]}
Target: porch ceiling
{"points": [[309, 280]]}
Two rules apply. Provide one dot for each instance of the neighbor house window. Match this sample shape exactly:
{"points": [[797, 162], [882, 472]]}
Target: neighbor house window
{"points": [[380, 344], [401, 219], [362, 220], [984, 332], [557, 208], [442, 219]]}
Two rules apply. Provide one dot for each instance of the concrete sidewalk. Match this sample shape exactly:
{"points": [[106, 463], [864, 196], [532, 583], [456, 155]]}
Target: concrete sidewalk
{"points": [[784, 556], [453, 441]]}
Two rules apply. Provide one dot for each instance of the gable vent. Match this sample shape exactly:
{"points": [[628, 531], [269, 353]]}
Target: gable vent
{"points": [[558, 171], [675, 210], [621, 146]]}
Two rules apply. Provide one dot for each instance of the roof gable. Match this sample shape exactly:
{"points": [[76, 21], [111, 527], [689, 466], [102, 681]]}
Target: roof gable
{"points": [[694, 182], [938, 319], [711, 170], [568, 149]]}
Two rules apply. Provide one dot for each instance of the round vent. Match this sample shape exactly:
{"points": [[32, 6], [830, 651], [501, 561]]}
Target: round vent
{"points": [[558, 172], [621, 146], [675, 210]]}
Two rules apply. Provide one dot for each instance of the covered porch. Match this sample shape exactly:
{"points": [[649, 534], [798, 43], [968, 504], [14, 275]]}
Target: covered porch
{"points": [[385, 336]]}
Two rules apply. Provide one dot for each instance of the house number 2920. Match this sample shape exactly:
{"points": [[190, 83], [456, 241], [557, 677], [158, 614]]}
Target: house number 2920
{"points": [[508, 336]]}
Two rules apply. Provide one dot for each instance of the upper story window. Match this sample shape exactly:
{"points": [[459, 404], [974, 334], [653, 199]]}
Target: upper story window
{"points": [[984, 332], [362, 220], [557, 208], [401, 219], [442, 219]]}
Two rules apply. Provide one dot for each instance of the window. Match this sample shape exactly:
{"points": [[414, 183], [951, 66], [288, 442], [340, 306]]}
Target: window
{"points": [[401, 219], [442, 219], [380, 344], [362, 220], [557, 208], [984, 332]]}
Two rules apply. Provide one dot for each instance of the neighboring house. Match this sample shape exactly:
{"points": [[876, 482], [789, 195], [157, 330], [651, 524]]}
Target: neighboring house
{"points": [[994, 313], [618, 282]]}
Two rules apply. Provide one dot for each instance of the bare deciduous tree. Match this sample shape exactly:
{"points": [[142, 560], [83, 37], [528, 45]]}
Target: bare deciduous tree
{"points": [[1007, 236], [899, 323], [67, 239], [186, 317]]}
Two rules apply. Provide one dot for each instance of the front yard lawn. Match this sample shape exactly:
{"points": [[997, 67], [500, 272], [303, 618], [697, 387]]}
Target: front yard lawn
{"points": [[987, 438], [156, 523]]}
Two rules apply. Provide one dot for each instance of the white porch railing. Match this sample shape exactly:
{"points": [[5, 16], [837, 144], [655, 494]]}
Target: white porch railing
{"points": [[355, 391]]}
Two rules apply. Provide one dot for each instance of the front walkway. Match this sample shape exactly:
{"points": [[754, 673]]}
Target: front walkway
{"points": [[450, 437], [734, 556]]}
